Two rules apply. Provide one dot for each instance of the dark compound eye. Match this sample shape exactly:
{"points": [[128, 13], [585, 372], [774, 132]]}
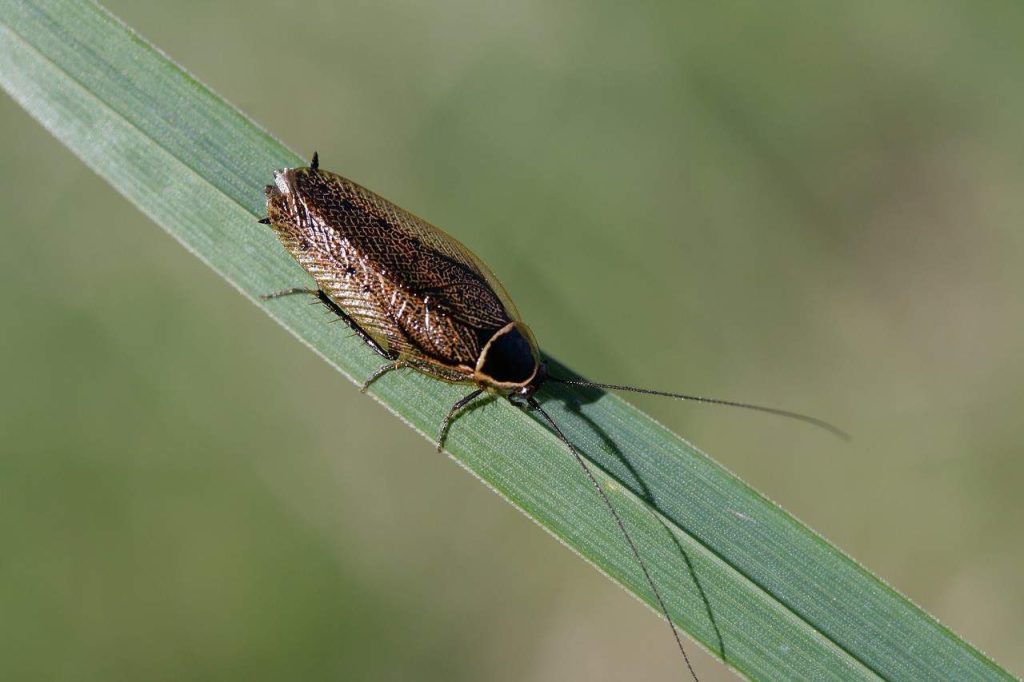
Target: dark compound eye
{"points": [[510, 358]]}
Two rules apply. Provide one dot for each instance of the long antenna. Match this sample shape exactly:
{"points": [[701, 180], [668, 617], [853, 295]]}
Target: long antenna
{"points": [[820, 423], [618, 519]]}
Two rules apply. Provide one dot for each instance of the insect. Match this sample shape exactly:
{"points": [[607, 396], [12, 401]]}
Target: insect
{"points": [[422, 300]]}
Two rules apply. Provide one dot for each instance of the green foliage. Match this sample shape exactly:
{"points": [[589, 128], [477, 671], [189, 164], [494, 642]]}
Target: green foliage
{"points": [[740, 575]]}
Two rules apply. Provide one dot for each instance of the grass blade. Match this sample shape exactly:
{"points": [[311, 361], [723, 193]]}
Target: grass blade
{"points": [[740, 575]]}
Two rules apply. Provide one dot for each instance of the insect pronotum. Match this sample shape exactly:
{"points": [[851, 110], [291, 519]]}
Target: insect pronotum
{"points": [[422, 300]]}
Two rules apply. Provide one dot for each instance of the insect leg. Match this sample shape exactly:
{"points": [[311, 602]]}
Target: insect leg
{"points": [[456, 408], [360, 332], [289, 292], [334, 308], [384, 369]]}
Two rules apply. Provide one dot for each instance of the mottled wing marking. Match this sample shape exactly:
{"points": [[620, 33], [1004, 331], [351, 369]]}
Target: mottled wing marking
{"points": [[409, 285]]}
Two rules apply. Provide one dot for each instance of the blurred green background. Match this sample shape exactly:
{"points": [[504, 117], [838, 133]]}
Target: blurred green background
{"points": [[808, 205]]}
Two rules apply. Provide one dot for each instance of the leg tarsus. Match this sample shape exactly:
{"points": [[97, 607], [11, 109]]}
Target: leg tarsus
{"points": [[455, 409], [381, 371], [290, 292]]}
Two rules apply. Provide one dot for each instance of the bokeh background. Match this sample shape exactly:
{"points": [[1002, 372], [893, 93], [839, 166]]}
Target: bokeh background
{"points": [[814, 206]]}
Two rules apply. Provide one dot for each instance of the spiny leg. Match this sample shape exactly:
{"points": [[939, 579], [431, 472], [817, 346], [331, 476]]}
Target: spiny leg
{"points": [[290, 292], [455, 409], [334, 308], [367, 339], [381, 371]]}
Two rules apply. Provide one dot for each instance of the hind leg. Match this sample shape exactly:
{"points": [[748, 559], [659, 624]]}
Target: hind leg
{"points": [[334, 308]]}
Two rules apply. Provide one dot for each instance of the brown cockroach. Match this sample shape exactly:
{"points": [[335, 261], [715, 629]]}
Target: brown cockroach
{"points": [[422, 300]]}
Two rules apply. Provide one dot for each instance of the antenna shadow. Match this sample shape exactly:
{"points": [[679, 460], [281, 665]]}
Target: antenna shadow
{"points": [[573, 398]]}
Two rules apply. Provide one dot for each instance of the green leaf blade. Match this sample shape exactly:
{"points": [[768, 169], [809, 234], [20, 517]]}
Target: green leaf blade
{"points": [[738, 573]]}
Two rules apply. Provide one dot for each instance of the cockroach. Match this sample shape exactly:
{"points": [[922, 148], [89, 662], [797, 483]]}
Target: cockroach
{"points": [[421, 300]]}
